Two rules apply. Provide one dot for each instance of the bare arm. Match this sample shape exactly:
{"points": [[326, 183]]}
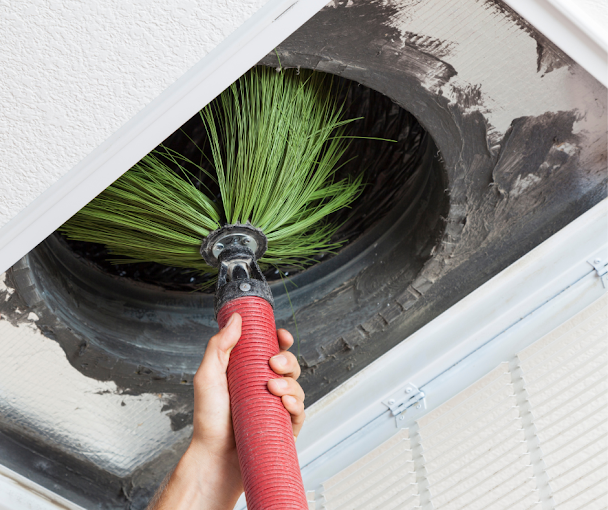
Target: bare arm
{"points": [[208, 475]]}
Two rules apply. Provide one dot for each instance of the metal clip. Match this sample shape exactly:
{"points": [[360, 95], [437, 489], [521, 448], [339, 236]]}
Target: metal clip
{"points": [[406, 397], [601, 268]]}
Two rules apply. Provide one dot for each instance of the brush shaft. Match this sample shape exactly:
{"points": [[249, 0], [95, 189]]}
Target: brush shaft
{"points": [[262, 426]]}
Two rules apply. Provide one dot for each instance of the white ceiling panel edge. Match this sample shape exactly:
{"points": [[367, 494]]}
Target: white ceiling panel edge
{"points": [[234, 56], [569, 26], [18, 493]]}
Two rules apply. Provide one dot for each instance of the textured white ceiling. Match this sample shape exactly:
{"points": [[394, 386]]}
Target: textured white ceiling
{"points": [[75, 71]]}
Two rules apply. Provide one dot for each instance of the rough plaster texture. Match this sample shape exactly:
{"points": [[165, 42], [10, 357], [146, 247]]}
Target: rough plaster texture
{"points": [[73, 72]]}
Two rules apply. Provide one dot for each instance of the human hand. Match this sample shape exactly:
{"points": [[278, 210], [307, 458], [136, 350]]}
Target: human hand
{"points": [[208, 475]]}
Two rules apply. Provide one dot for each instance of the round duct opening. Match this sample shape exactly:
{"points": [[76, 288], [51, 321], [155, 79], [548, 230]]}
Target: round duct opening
{"points": [[388, 169], [145, 325]]}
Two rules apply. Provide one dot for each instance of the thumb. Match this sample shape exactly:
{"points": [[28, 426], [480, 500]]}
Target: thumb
{"points": [[219, 347], [230, 334]]}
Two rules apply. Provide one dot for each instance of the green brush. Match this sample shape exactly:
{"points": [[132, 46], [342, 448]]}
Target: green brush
{"points": [[276, 139], [276, 142]]}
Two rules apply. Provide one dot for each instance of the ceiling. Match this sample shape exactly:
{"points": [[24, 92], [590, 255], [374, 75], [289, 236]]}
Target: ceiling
{"points": [[520, 134]]}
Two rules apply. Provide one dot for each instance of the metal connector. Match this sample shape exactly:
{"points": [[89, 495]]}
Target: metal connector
{"points": [[601, 268], [409, 396], [235, 250]]}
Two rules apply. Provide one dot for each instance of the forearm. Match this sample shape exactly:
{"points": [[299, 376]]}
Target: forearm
{"points": [[199, 482]]}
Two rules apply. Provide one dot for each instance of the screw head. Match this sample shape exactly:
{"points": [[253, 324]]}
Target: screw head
{"points": [[391, 401], [418, 406], [402, 417], [219, 246], [409, 390], [246, 240], [597, 261], [245, 287]]}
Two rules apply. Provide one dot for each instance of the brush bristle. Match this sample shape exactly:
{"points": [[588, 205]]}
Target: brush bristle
{"points": [[276, 139]]}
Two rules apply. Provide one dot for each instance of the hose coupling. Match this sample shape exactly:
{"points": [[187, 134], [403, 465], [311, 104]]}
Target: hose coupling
{"points": [[235, 250]]}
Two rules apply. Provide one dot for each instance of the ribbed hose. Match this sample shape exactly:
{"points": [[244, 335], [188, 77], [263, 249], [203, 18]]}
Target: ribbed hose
{"points": [[262, 426]]}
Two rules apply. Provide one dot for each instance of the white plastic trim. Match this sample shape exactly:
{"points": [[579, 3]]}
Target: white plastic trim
{"points": [[18, 493], [564, 23], [234, 56], [521, 304], [582, 15]]}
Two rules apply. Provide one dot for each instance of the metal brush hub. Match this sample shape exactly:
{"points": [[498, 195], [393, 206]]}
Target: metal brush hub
{"points": [[234, 250], [232, 240], [233, 236]]}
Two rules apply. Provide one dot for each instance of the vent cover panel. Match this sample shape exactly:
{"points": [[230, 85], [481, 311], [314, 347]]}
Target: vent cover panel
{"points": [[530, 435], [383, 479], [565, 376], [475, 449]]}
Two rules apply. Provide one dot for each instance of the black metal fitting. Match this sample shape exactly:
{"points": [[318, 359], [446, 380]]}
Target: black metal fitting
{"points": [[234, 250]]}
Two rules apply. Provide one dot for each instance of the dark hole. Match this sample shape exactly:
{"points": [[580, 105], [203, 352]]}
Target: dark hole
{"points": [[386, 166]]}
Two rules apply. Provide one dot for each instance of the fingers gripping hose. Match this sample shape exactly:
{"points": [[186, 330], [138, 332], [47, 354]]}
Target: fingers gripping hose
{"points": [[262, 426]]}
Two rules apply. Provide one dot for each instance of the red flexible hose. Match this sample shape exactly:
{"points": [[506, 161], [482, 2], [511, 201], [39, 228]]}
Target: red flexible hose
{"points": [[262, 426]]}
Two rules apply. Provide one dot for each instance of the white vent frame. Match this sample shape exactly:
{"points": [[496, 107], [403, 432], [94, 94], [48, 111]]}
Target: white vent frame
{"points": [[18, 492]]}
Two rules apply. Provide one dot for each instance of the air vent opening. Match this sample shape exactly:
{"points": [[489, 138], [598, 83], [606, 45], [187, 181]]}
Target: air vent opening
{"points": [[388, 169]]}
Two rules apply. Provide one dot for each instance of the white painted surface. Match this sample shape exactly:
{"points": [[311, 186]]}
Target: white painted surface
{"points": [[19, 493], [75, 71], [38, 385], [591, 16]]}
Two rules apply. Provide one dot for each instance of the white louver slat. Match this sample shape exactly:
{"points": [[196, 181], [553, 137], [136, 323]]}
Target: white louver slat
{"points": [[565, 376], [475, 449], [529, 435], [383, 479]]}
